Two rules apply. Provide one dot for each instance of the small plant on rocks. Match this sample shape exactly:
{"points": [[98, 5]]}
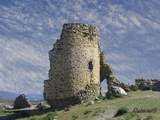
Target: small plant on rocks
{"points": [[121, 111]]}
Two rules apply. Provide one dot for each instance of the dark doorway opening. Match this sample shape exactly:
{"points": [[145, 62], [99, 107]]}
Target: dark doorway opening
{"points": [[90, 66]]}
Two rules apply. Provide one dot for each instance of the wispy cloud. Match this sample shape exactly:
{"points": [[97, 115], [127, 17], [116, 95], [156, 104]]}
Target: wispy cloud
{"points": [[129, 37], [21, 66]]}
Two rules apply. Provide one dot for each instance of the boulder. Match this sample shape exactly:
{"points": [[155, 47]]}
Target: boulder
{"points": [[21, 102], [42, 106], [8, 107], [118, 91], [5, 107], [125, 87]]}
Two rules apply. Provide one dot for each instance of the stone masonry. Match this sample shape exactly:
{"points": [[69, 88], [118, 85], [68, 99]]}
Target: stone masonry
{"points": [[74, 74], [107, 73], [77, 66]]}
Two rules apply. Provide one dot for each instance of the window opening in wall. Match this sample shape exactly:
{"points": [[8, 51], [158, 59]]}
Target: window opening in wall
{"points": [[90, 66]]}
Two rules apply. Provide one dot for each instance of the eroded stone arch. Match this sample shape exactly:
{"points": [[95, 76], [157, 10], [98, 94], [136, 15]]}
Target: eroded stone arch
{"points": [[107, 73]]}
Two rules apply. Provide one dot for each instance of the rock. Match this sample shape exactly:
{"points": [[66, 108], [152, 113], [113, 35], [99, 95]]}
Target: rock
{"points": [[1, 107], [118, 91], [8, 107], [66, 109], [143, 84], [42, 106], [156, 86], [152, 84], [5, 107], [91, 102], [97, 99], [106, 72], [125, 87], [21, 102]]}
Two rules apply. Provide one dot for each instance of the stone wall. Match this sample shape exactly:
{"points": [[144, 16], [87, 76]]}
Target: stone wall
{"points": [[107, 73], [74, 74]]}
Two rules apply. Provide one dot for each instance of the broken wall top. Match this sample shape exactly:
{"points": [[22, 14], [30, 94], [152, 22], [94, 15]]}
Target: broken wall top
{"points": [[77, 34]]}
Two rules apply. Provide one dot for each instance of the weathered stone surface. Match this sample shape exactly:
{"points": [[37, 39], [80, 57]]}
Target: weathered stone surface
{"points": [[124, 86], [152, 84], [118, 91], [42, 106], [107, 73], [5, 107], [143, 84], [74, 66], [21, 102], [156, 86]]}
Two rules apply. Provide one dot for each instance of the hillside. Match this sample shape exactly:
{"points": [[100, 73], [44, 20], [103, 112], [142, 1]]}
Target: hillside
{"points": [[145, 103]]}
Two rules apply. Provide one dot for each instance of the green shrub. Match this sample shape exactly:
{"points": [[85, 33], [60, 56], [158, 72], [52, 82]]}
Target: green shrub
{"points": [[133, 87], [101, 97], [74, 117], [111, 96], [148, 118], [5, 112], [51, 116], [131, 116], [87, 112], [121, 111]]}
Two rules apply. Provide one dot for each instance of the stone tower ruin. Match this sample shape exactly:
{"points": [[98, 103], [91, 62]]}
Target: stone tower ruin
{"points": [[74, 74]]}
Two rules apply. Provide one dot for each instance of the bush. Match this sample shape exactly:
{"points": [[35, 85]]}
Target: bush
{"points": [[101, 97], [111, 96], [87, 112], [131, 116], [148, 118], [121, 111], [144, 87], [51, 116], [74, 117], [133, 87]]}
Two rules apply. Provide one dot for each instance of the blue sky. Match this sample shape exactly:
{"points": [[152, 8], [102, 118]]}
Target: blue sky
{"points": [[130, 37]]}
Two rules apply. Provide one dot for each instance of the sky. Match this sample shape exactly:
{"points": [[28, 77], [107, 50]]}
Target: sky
{"points": [[129, 30]]}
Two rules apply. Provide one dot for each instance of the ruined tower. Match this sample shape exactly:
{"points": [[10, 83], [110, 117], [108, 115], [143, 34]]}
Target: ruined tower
{"points": [[74, 74]]}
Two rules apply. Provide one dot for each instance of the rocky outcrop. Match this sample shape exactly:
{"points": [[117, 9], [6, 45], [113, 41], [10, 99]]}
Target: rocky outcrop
{"points": [[5, 107], [152, 84], [118, 91], [156, 86], [21, 102], [42, 106], [107, 73], [125, 86], [74, 66], [77, 66]]}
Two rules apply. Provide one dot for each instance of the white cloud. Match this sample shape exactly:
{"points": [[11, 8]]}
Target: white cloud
{"points": [[50, 23], [41, 24], [122, 67], [15, 50], [20, 78], [135, 21], [117, 56]]}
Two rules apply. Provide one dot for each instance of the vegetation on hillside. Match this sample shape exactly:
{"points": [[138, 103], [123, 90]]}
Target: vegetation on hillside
{"points": [[141, 105]]}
